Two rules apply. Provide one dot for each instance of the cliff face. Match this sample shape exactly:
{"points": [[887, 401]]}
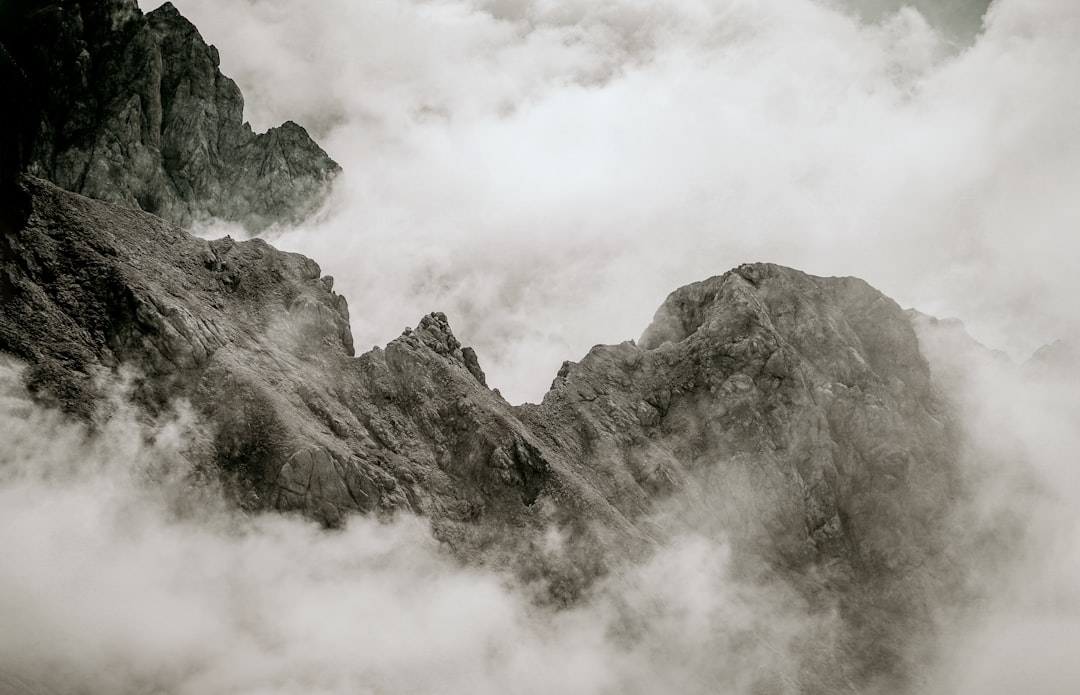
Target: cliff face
{"points": [[797, 416], [791, 413], [133, 109]]}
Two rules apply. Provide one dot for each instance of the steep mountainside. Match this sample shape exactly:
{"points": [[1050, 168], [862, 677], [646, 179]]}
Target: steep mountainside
{"points": [[794, 414], [132, 109]]}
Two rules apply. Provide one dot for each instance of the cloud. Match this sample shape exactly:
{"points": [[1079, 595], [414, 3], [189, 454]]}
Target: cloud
{"points": [[124, 572], [545, 172], [114, 580], [1022, 426]]}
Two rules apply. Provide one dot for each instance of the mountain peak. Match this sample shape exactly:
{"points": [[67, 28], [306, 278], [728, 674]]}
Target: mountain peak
{"points": [[134, 110]]}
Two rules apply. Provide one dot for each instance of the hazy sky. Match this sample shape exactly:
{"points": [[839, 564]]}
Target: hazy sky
{"points": [[546, 172]]}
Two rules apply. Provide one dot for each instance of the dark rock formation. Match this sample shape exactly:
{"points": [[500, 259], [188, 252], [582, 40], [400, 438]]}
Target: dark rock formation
{"points": [[818, 382], [133, 109], [801, 417], [794, 414]]}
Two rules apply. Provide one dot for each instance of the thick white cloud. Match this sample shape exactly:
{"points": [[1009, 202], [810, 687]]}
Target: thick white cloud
{"points": [[545, 172], [116, 579]]}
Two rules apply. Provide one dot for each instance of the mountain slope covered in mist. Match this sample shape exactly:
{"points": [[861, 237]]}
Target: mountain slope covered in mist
{"points": [[132, 108], [786, 485], [794, 414]]}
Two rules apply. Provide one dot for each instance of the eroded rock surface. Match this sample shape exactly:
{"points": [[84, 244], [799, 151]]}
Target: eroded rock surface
{"points": [[795, 415], [132, 109]]}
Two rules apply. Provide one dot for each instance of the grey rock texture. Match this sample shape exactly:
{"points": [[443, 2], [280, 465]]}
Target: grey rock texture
{"points": [[132, 109], [793, 414], [816, 383], [800, 415]]}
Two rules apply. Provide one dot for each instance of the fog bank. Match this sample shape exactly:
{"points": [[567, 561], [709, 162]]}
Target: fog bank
{"points": [[122, 575], [545, 173]]}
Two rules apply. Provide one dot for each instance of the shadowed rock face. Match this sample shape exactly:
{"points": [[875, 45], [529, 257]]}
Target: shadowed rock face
{"points": [[133, 109], [811, 391], [793, 414]]}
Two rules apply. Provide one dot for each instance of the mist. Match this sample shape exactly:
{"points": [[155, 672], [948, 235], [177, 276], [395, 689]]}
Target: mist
{"points": [[545, 173], [125, 572], [1023, 432]]}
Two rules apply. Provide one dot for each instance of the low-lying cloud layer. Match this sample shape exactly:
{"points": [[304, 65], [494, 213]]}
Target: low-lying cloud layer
{"points": [[546, 172], [124, 573], [118, 576]]}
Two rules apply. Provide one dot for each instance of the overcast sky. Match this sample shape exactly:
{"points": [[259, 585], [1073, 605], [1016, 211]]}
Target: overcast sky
{"points": [[546, 172]]}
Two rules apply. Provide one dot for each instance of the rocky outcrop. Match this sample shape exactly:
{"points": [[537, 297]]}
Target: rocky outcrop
{"points": [[793, 414], [810, 393], [260, 344], [133, 109]]}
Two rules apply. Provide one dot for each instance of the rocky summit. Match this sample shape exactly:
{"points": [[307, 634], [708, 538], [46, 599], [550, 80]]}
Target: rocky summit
{"points": [[133, 109], [792, 413]]}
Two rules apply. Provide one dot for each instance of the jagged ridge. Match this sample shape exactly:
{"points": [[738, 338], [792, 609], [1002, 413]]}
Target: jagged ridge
{"points": [[794, 413], [133, 109]]}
